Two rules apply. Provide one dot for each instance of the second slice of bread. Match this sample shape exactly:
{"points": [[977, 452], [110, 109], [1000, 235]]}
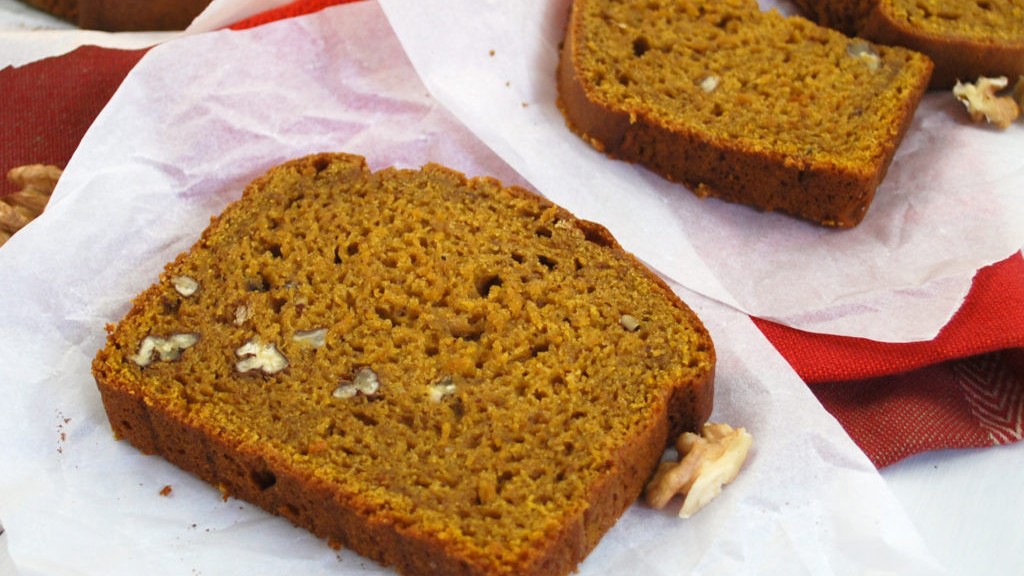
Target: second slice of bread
{"points": [[748, 106]]}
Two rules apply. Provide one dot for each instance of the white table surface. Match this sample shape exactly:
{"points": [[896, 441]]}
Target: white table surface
{"points": [[967, 504]]}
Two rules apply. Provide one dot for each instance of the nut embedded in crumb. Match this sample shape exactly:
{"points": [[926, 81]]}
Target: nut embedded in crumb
{"points": [[185, 285], [863, 51], [709, 84], [707, 462], [630, 323], [365, 381], [441, 389], [984, 103], [166, 349], [314, 338], [242, 313], [256, 355]]}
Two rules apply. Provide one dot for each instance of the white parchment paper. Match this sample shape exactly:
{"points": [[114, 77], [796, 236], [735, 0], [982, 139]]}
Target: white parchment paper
{"points": [[953, 200], [197, 119]]}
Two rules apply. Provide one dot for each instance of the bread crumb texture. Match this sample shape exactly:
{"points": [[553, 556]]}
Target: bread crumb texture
{"points": [[442, 359], [965, 38], [754, 107], [782, 83]]}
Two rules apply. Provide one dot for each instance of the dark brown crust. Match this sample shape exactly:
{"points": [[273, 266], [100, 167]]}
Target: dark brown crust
{"points": [[119, 16], [768, 181], [258, 474], [955, 58]]}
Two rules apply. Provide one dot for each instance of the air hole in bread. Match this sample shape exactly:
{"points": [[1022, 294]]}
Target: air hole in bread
{"points": [[640, 46], [257, 284], [277, 304], [263, 478], [321, 164], [365, 418], [547, 262], [484, 284], [594, 235], [170, 306], [291, 511]]}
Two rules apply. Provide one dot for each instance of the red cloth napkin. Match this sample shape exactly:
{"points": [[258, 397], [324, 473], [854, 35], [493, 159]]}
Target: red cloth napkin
{"points": [[963, 389]]}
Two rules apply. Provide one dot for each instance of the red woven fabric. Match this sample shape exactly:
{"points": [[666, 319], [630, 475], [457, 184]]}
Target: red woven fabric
{"points": [[48, 105], [990, 319], [297, 8], [966, 403], [963, 389]]}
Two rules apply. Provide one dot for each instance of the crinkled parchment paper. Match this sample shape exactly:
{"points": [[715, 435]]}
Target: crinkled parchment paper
{"points": [[197, 119], [953, 200]]}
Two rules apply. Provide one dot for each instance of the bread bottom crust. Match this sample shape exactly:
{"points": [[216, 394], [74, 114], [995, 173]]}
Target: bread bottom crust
{"points": [[252, 473]]}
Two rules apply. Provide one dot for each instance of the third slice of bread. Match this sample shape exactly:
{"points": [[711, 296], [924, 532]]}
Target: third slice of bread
{"points": [[749, 106], [965, 39]]}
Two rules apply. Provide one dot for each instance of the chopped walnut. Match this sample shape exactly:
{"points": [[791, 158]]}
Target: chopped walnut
{"points": [[863, 51], [365, 381], [630, 323], [185, 285], [166, 349], [710, 83], [315, 338], [707, 462], [17, 209], [242, 313], [258, 356], [984, 103], [441, 389]]}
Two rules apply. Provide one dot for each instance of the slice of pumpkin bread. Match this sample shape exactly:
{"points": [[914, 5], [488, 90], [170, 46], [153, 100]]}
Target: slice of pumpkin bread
{"points": [[748, 106], [966, 40], [440, 373]]}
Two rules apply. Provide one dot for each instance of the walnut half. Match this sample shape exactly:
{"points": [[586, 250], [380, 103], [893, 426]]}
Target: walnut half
{"points": [[707, 462], [255, 355], [983, 101]]}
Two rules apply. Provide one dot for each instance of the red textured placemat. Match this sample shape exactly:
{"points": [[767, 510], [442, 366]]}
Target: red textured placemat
{"points": [[48, 105], [964, 389]]}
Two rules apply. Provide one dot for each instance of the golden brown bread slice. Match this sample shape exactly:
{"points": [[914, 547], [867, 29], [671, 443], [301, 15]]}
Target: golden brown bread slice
{"points": [[748, 106], [965, 39], [442, 374]]}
